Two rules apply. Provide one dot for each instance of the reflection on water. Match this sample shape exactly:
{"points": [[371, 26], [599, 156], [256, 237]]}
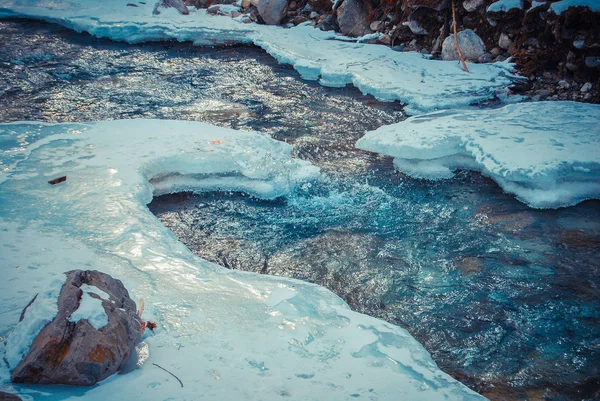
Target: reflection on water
{"points": [[505, 298]]}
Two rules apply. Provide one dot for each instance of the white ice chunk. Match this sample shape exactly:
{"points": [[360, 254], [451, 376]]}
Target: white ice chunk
{"points": [[388, 75], [37, 315], [546, 153]]}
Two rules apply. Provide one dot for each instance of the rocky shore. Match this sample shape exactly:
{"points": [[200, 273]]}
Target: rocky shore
{"points": [[554, 44]]}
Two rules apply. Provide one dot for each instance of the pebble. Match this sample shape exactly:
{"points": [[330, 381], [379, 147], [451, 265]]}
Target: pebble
{"points": [[579, 44], [314, 15], [543, 93], [586, 87], [496, 51], [385, 39], [486, 58], [563, 84], [504, 42], [376, 26], [592, 62], [571, 66]]}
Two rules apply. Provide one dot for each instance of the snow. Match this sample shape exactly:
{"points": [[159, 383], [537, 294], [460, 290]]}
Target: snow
{"points": [[225, 334], [546, 153], [90, 308], [561, 6], [388, 75], [38, 314], [505, 5]]}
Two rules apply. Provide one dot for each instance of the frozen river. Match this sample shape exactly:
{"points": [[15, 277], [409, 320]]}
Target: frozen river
{"points": [[504, 297]]}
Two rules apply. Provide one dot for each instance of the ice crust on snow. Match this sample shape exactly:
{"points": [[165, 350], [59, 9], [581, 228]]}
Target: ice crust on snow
{"points": [[546, 153], [90, 308], [388, 75], [227, 335]]}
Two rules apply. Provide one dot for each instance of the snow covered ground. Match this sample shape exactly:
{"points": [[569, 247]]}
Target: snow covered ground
{"points": [[546, 153], [227, 335], [411, 78]]}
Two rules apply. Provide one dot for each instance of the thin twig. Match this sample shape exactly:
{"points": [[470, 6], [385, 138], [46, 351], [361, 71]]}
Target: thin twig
{"points": [[460, 56], [158, 366]]}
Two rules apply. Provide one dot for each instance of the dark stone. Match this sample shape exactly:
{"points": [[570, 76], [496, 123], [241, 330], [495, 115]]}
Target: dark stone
{"points": [[75, 353], [352, 17], [328, 24], [9, 397]]}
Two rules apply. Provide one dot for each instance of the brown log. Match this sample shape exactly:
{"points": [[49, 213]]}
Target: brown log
{"points": [[57, 180]]}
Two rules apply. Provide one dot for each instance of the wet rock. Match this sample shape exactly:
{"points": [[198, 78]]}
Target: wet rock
{"points": [[299, 19], [385, 39], [352, 18], [472, 5], [471, 46], [586, 87], [179, 5], [272, 11], [592, 62], [563, 84], [504, 42], [376, 26], [496, 51], [571, 67], [75, 351], [328, 24], [485, 58], [415, 27], [314, 15]]}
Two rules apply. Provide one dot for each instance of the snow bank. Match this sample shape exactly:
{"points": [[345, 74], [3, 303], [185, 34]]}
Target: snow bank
{"points": [[228, 335], [546, 153], [561, 6], [505, 5], [38, 314], [377, 70]]}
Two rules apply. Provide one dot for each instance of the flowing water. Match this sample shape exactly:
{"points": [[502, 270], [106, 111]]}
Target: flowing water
{"points": [[504, 297]]}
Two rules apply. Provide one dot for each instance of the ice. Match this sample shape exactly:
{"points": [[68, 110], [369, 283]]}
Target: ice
{"points": [[546, 153], [90, 308], [505, 5], [388, 75], [561, 6], [228, 335]]}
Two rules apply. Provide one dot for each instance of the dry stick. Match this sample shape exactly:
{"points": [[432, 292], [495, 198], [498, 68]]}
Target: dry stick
{"points": [[460, 56], [158, 366], [141, 310]]}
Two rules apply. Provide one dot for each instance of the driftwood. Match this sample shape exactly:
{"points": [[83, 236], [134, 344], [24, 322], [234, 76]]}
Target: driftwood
{"points": [[57, 180]]}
